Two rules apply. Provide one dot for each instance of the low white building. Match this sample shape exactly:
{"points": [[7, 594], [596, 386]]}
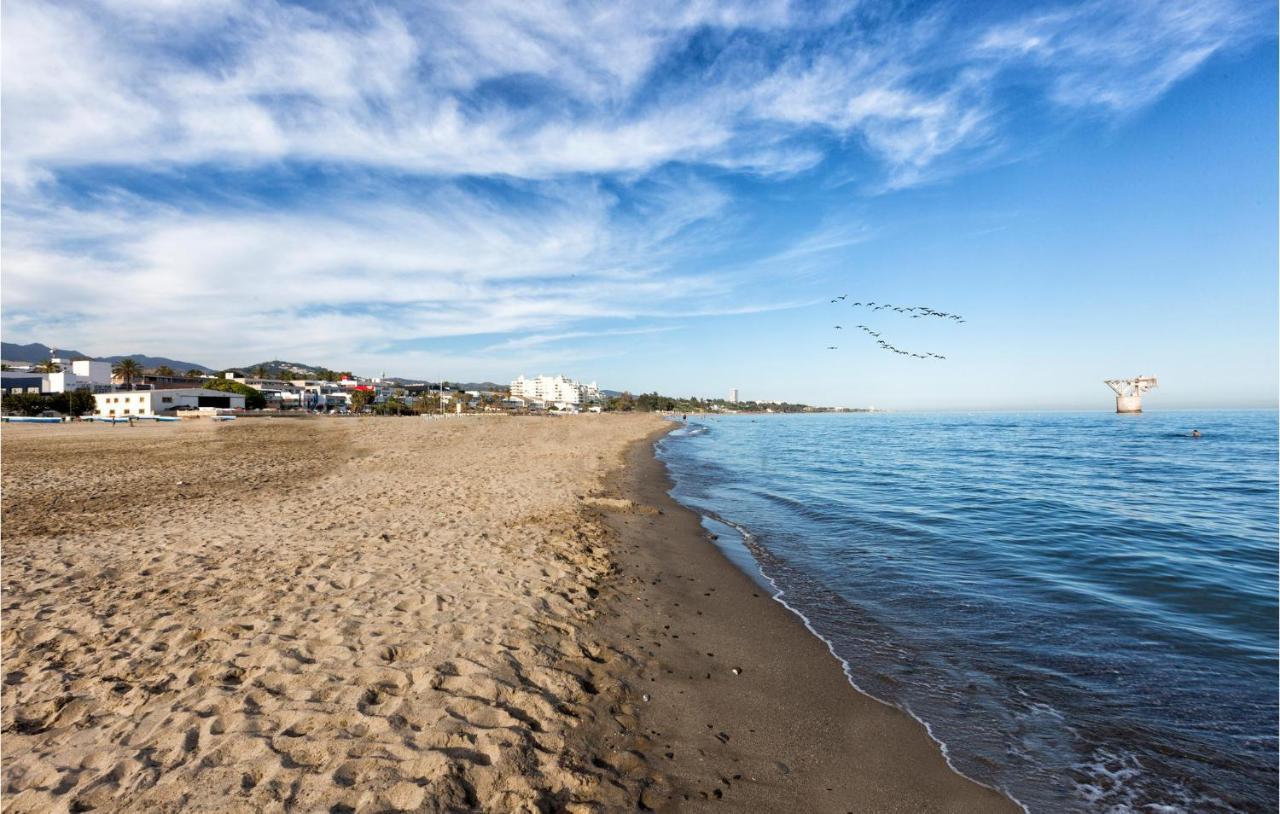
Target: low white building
{"points": [[121, 403], [558, 390]]}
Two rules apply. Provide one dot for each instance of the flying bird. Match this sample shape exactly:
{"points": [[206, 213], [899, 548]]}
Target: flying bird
{"points": [[832, 347]]}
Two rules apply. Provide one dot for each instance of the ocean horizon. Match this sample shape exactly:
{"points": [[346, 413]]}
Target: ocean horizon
{"points": [[1080, 606]]}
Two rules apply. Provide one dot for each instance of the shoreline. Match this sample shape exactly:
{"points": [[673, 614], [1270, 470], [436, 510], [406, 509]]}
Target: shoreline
{"points": [[558, 635], [746, 705]]}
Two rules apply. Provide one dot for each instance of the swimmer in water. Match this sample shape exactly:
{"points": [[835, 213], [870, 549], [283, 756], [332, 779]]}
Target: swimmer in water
{"points": [[1195, 433]]}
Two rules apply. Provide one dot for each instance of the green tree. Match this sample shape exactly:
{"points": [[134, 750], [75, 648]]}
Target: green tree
{"points": [[260, 371], [127, 370], [195, 373], [164, 370], [23, 404], [75, 402], [48, 366], [79, 402], [361, 399]]}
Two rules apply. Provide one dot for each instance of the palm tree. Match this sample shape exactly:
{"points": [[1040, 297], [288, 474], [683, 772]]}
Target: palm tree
{"points": [[260, 371], [195, 373], [164, 370], [128, 370], [48, 366]]}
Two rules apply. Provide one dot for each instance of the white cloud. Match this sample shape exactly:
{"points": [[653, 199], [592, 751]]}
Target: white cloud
{"points": [[1121, 56], [304, 282], [539, 89], [580, 109]]}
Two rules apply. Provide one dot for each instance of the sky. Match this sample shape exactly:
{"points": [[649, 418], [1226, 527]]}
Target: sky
{"points": [[663, 196]]}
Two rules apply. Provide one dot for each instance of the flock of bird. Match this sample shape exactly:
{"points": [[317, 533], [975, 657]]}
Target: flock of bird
{"points": [[915, 312]]}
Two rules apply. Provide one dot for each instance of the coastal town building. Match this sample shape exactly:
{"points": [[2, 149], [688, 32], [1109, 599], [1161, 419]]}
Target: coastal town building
{"points": [[14, 381], [81, 374], [314, 394], [733, 395], [159, 381], [120, 403], [558, 390]]}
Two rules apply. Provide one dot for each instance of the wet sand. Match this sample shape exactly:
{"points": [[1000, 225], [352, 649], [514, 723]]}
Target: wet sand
{"points": [[408, 615], [747, 710]]}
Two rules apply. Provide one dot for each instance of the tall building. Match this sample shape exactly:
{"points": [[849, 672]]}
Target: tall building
{"points": [[733, 396], [555, 390]]}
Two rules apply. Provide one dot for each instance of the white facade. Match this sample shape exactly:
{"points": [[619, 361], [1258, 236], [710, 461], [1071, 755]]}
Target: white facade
{"points": [[555, 390], [733, 395], [319, 395], [82, 374], [123, 403]]}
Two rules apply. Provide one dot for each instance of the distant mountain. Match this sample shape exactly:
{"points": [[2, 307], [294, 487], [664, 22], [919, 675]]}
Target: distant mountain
{"points": [[35, 352], [156, 361], [276, 367]]}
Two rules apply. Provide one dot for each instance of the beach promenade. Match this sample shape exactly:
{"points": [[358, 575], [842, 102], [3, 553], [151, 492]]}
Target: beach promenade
{"points": [[503, 614]]}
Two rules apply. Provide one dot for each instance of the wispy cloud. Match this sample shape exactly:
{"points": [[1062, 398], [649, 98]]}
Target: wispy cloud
{"points": [[1122, 56], [565, 161], [358, 273]]}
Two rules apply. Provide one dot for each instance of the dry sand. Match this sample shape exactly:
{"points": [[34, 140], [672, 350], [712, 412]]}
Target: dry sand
{"points": [[399, 614]]}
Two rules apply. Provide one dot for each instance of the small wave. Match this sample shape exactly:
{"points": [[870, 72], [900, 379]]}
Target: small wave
{"points": [[1069, 601], [689, 431], [1119, 783]]}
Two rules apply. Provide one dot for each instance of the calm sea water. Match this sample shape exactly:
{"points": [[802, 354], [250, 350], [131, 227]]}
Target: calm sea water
{"points": [[1082, 607]]}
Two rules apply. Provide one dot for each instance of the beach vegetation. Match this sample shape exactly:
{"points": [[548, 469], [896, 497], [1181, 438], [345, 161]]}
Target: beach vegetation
{"points": [[361, 399], [164, 370], [75, 402], [48, 366], [393, 407]]}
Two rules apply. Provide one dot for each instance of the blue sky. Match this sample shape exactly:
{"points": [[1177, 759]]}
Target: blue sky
{"points": [[657, 197]]}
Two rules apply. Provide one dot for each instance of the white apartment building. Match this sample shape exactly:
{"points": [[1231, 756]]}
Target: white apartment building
{"points": [[319, 395], [733, 395], [122, 403], [82, 374], [558, 390]]}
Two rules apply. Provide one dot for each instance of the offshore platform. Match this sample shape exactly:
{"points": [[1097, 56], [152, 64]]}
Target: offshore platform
{"points": [[1129, 392]]}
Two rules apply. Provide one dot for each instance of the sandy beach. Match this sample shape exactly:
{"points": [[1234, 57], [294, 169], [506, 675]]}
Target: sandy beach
{"points": [[396, 614]]}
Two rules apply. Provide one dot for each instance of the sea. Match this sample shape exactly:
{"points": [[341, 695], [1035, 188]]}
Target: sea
{"points": [[1080, 607]]}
